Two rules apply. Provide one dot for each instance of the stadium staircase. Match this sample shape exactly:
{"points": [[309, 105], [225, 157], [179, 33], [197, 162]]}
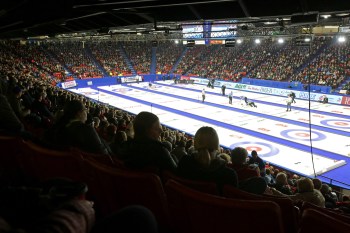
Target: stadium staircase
{"points": [[310, 59], [126, 59], [154, 60], [88, 52], [178, 60], [54, 57]]}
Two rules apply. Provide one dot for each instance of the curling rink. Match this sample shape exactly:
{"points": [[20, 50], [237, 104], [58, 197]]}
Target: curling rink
{"points": [[279, 137]]}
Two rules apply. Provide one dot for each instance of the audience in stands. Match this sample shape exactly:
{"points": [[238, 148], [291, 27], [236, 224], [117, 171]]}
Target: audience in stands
{"points": [[70, 130], [108, 55], [167, 54], [330, 198], [179, 151], [27, 91], [255, 160], [307, 193], [282, 184], [203, 163], [9, 122], [270, 180], [145, 149], [139, 54], [239, 156]]}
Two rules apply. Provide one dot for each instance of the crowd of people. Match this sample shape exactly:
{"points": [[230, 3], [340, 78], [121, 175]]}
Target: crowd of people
{"points": [[110, 58], [324, 63], [29, 102], [330, 67], [140, 55], [167, 54], [74, 56]]}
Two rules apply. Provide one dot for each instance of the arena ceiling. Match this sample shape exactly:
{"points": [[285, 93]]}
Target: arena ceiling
{"points": [[31, 18]]}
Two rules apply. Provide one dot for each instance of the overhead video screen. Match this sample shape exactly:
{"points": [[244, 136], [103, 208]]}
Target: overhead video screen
{"points": [[223, 30], [192, 31]]}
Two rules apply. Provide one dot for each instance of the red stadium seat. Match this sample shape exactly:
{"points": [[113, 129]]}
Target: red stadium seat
{"points": [[194, 211], [42, 163], [9, 167], [203, 186], [113, 189], [330, 212], [288, 210], [314, 220]]}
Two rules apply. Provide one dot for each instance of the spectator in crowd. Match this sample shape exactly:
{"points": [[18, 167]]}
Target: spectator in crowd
{"points": [[145, 149], [307, 193], [270, 180], [317, 183], [330, 198], [248, 176], [41, 109], [179, 151], [225, 157], [71, 130], [282, 184], [9, 122], [239, 157], [203, 163], [256, 160], [14, 98]]}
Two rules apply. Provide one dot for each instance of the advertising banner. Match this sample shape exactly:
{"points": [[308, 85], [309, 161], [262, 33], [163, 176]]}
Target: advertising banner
{"points": [[334, 99]]}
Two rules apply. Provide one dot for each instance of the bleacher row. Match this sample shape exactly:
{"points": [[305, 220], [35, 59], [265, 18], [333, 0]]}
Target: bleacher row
{"points": [[325, 63], [179, 205]]}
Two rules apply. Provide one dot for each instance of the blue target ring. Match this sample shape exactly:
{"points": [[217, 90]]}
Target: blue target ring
{"points": [[122, 90], [325, 122], [273, 150], [320, 136]]}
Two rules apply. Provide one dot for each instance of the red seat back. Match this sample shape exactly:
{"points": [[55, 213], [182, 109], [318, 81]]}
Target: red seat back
{"points": [[42, 163], [9, 167], [289, 211], [315, 221], [203, 186], [194, 211], [330, 212], [113, 189]]}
